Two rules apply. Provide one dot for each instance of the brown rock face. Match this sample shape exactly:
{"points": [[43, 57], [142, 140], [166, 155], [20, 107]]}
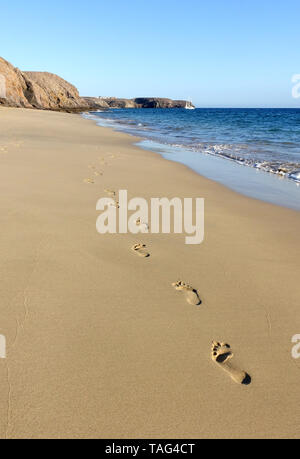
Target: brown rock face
{"points": [[37, 90], [13, 86], [49, 91]]}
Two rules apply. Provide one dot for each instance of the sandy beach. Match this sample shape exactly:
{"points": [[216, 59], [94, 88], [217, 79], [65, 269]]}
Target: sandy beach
{"points": [[99, 343]]}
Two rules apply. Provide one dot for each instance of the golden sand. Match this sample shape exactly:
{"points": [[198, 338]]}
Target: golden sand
{"points": [[99, 343]]}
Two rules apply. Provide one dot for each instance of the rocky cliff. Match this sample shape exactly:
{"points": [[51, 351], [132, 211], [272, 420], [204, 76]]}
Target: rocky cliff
{"points": [[13, 86], [47, 91], [37, 90]]}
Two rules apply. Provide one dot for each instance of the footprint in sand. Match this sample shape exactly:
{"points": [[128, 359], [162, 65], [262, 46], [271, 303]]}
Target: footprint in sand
{"points": [[113, 195], [144, 227], [96, 172], [115, 204], [89, 180], [221, 354], [110, 193], [191, 294], [3, 150], [140, 250]]}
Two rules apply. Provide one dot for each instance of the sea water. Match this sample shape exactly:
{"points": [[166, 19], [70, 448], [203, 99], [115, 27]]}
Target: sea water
{"points": [[253, 151]]}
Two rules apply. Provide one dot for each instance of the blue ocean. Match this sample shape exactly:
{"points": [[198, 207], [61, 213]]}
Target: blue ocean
{"points": [[261, 140]]}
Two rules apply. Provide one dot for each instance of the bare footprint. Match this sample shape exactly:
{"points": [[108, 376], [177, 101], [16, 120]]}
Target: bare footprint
{"points": [[113, 195], [115, 204], [96, 171], [140, 250], [110, 193], [89, 180], [221, 354], [144, 226], [192, 296]]}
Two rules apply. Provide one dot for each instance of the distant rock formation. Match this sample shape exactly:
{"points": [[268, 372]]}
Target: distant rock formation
{"points": [[96, 103], [156, 102], [40, 90], [46, 91], [140, 102]]}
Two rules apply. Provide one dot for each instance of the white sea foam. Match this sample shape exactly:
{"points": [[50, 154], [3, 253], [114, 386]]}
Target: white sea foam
{"points": [[295, 176], [258, 153]]}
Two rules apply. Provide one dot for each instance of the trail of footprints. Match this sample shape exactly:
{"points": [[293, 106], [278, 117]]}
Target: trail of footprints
{"points": [[97, 171], [15, 144], [221, 353]]}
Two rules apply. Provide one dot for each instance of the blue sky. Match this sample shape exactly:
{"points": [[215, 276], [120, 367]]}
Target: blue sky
{"points": [[221, 53]]}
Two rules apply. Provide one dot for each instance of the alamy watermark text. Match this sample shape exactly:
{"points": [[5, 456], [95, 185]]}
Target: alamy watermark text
{"points": [[187, 215]]}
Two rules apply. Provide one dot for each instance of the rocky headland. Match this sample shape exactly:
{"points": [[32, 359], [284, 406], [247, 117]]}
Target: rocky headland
{"points": [[139, 102], [46, 91], [41, 90]]}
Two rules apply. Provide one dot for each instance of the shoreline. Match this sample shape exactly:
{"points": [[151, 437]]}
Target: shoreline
{"points": [[254, 182], [100, 345], [241, 179]]}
